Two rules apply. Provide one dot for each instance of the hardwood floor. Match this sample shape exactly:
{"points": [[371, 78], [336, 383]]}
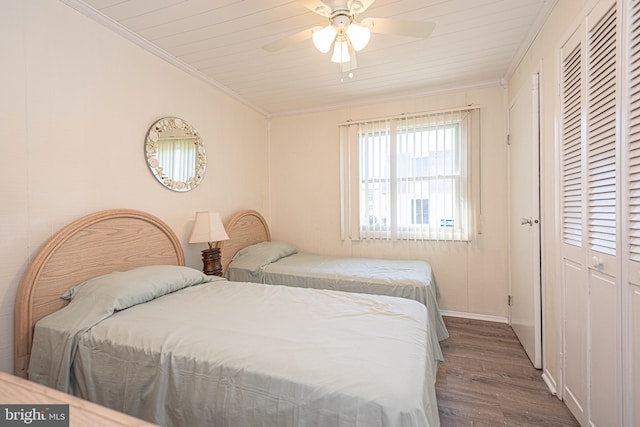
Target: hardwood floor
{"points": [[487, 380]]}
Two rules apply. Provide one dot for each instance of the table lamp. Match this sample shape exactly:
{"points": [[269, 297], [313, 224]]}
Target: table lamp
{"points": [[208, 228]]}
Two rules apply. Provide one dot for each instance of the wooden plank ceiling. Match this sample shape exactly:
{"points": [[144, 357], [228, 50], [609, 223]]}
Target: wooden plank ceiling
{"points": [[475, 43]]}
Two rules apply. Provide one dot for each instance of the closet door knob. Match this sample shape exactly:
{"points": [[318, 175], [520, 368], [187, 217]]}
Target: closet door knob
{"points": [[596, 262], [524, 221]]}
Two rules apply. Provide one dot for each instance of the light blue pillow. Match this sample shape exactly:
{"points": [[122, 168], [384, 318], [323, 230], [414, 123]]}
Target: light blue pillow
{"points": [[261, 254], [124, 289]]}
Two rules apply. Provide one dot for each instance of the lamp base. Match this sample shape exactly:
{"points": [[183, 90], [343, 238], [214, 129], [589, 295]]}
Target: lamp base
{"points": [[211, 261]]}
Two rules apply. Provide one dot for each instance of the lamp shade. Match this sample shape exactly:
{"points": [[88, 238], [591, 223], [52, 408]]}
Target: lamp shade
{"points": [[208, 228], [358, 36], [341, 52], [322, 39]]}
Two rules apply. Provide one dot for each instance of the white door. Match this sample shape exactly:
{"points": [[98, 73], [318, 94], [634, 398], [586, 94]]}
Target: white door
{"points": [[631, 240], [524, 220], [573, 215], [589, 209], [602, 206]]}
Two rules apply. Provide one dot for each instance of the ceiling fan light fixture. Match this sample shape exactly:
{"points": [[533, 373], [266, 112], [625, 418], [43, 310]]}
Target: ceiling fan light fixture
{"points": [[341, 52], [322, 39], [358, 36]]}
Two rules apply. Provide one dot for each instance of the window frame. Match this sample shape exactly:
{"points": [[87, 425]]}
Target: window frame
{"points": [[355, 227]]}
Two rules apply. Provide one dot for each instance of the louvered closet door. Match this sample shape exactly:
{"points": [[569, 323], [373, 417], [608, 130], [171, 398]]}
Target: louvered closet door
{"points": [[573, 175], [604, 311], [632, 288], [590, 133]]}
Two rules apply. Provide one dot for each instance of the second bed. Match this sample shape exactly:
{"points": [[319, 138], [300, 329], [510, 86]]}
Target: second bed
{"points": [[250, 256]]}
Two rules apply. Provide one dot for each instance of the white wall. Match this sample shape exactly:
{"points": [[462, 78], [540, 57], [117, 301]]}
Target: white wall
{"points": [[77, 101], [304, 161], [543, 51]]}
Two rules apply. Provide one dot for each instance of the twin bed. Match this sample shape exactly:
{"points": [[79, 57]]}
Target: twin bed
{"points": [[250, 256], [139, 332]]}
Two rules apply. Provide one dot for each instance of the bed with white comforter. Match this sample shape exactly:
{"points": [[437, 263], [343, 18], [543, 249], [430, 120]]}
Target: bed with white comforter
{"points": [[178, 348]]}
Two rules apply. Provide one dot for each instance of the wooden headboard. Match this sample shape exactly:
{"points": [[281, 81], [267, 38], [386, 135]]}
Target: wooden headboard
{"points": [[96, 244], [244, 229]]}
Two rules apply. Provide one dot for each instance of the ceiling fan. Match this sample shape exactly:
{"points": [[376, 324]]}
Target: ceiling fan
{"points": [[344, 33]]}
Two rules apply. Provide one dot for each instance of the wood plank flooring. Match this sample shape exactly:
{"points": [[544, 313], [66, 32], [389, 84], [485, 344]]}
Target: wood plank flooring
{"points": [[487, 380]]}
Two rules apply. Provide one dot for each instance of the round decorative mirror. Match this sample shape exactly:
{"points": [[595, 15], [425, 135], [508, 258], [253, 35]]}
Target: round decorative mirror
{"points": [[175, 154]]}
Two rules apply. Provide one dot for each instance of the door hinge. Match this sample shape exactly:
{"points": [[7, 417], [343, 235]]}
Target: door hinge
{"points": [[508, 139], [510, 300]]}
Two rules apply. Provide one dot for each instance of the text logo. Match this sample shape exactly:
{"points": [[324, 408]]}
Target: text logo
{"points": [[34, 415]]}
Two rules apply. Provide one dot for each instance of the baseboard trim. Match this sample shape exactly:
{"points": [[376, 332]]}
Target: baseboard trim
{"points": [[474, 316], [551, 384]]}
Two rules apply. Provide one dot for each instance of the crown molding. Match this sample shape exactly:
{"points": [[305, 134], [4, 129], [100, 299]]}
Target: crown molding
{"points": [[397, 97]]}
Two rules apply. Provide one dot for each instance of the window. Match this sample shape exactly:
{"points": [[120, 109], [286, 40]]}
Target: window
{"points": [[408, 177], [420, 211]]}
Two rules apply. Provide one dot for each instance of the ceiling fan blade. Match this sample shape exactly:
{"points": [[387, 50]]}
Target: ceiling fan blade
{"points": [[291, 40], [359, 6], [399, 27], [316, 6]]}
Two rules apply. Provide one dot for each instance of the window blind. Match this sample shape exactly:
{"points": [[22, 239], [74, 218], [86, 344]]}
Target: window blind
{"points": [[408, 177], [178, 158]]}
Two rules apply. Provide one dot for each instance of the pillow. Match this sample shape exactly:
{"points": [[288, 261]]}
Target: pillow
{"points": [[264, 253], [123, 289]]}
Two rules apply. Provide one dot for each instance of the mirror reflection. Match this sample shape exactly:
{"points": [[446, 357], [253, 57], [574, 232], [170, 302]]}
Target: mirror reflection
{"points": [[175, 154]]}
